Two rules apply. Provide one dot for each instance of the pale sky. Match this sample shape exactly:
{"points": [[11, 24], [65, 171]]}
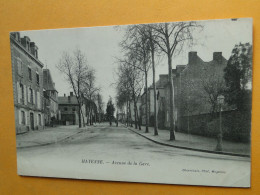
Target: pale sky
{"points": [[101, 45]]}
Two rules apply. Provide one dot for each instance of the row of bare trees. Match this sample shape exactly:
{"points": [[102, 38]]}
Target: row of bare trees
{"points": [[141, 45], [81, 78]]}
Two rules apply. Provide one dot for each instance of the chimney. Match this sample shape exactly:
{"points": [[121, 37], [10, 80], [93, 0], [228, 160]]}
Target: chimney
{"points": [[192, 57], [64, 95], [71, 93], [217, 56], [16, 35], [26, 42], [69, 99], [34, 49]]}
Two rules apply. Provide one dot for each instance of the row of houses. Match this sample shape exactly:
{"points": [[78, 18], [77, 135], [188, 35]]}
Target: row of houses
{"points": [[36, 100], [190, 96]]}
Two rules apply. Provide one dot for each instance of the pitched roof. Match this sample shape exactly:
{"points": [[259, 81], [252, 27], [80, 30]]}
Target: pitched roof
{"points": [[48, 83], [65, 100]]}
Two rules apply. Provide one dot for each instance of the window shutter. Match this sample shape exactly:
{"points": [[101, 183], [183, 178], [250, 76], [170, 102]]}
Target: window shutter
{"points": [[18, 92], [35, 118], [29, 95], [39, 100], [36, 96], [25, 94], [33, 100], [26, 117]]}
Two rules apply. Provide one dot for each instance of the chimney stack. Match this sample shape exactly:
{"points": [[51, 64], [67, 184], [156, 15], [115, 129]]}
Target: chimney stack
{"points": [[217, 56], [192, 57], [16, 35], [64, 95], [26, 42], [34, 49]]}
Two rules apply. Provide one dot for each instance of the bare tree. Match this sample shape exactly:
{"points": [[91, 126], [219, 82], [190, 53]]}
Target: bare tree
{"points": [[150, 34], [100, 106], [130, 84], [171, 38], [75, 68], [213, 85], [90, 91], [136, 46]]}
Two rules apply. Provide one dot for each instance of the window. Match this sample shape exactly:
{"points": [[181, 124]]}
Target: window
{"points": [[30, 73], [36, 99], [73, 109], [40, 119], [37, 78], [65, 109], [23, 117], [22, 93], [31, 95]]}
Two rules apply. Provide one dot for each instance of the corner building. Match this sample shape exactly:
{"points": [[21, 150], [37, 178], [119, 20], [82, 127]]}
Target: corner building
{"points": [[27, 84]]}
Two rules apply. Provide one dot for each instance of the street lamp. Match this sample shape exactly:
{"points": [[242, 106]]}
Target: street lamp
{"points": [[220, 101]]}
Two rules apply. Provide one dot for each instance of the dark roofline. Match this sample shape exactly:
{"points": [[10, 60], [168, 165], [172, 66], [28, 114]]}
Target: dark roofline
{"points": [[26, 52]]}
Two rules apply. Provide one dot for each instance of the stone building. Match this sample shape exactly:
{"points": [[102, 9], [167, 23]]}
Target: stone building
{"points": [[27, 84], [50, 99], [69, 110], [196, 87]]}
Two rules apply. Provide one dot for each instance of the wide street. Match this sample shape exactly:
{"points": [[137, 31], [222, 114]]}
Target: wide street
{"points": [[116, 153]]}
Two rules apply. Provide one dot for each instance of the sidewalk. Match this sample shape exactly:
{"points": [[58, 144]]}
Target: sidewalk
{"points": [[46, 136], [194, 142]]}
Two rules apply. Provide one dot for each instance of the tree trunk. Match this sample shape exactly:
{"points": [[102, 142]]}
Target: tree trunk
{"points": [[127, 113], [146, 104], [130, 114], [83, 120], [79, 114], [172, 120], [138, 118], [135, 112], [91, 117], [154, 94]]}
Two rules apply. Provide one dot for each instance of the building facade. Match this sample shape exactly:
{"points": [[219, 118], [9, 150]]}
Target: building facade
{"points": [[51, 113], [27, 84], [195, 87], [69, 110]]}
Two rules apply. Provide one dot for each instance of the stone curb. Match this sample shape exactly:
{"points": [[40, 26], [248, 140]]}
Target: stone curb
{"points": [[193, 149], [49, 143]]}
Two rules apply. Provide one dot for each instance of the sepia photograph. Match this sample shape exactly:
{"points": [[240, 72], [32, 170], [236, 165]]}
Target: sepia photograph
{"points": [[164, 103]]}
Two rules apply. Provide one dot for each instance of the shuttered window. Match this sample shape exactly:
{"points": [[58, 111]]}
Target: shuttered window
{"points": [[18, 92], [23, 117], [22, 93], [31, 95], [30, 73], [39, 119]]}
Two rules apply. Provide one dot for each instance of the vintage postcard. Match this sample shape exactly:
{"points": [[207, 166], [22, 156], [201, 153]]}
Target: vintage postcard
{"points": [[166, 103]]}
